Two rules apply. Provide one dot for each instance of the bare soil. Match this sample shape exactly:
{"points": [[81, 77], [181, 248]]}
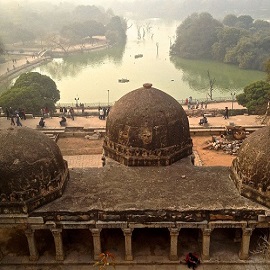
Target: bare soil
{"points": [[210, 157], [74, 146], [80, 146]]}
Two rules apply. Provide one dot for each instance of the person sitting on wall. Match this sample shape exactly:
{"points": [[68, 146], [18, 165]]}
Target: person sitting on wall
{"points": [[41, 122], [192, 260], [63, 121], [203, 120]]}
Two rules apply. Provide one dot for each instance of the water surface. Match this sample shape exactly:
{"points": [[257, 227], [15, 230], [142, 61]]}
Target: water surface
{"points": [[89, 76]]}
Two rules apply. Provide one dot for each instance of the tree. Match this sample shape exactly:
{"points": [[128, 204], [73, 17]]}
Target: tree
{"points": [[195, 36], [230, 20], [31, 91], [228, 37], [244, 21], [255, 97], [116, 30], [267, 69]]}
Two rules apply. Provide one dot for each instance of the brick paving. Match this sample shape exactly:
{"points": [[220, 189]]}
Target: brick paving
{"points": [[84, 161]]}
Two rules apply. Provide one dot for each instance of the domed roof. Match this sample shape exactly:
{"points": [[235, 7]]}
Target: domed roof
{"points": [[251, 169], [147, 127], [32, 169]]}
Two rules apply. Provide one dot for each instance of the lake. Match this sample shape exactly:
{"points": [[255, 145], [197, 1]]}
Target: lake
{"points": [[92, 77]]}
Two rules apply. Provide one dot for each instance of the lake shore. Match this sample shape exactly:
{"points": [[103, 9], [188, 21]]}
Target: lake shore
{"points": [[19, 63]]}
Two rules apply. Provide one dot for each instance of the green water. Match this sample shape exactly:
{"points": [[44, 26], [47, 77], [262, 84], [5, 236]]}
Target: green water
{"points": [[89, 76]]}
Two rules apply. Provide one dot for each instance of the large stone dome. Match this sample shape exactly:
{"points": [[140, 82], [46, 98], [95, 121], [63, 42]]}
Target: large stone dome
{"points": [[251, 169], [147, 127], [32, 170]]}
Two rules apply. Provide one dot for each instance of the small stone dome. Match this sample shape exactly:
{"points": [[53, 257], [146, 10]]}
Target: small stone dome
{"points": [[32, 170], [250, 171], [147, 127]]}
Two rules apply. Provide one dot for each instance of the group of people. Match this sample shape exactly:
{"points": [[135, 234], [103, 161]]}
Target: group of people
{"points": [[195, 104], [15, 116], [67, 112], [45, 112], [103, 112]]}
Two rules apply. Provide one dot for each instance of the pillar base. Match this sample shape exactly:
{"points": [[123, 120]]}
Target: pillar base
{"points": [[33, 258], [174, 258], [59, 258], [243, 256], [129, 258], [205, 257], [96, 257]]}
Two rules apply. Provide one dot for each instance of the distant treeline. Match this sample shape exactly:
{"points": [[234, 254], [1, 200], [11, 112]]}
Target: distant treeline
{"points": [[240, 40], [45, 23], [180, 9]]}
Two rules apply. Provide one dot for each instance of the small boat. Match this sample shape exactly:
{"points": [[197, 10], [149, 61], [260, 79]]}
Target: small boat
{"points": [[138, 55], [123, 80]]}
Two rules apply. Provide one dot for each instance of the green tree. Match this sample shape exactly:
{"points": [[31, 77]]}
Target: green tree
{"points": [[255, 97], [85, 13], [244, 21], [267, 69], [31, 91], [116, 30], [228, 38], [195, 36], [230, 20]]}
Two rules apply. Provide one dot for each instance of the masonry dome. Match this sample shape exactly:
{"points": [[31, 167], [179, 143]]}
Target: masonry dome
{"points": [[147, 127], [32, 170], [251, 169]]}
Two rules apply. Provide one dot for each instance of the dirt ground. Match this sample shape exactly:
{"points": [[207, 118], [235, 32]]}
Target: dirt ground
{"points": [[81, 146], [210, 157], [74, 146]]}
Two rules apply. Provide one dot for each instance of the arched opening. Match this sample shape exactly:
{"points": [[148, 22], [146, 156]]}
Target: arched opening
{"points": [[45, 243], [225, 244], [260, 243], [78, 242], [13, 242], [188, 241], [151, 242], [113, 241]]}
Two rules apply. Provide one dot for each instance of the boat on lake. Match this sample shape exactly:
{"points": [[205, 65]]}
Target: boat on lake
{"points": [[138, 55], [123, 80]]}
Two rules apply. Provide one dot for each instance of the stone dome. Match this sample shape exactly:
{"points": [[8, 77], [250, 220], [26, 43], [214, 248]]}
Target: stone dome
{"points": [[32, 170], [251, 169], [147, 127]]}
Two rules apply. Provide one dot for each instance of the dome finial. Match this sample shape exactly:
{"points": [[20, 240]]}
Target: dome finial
{"points": [[147, 85]]}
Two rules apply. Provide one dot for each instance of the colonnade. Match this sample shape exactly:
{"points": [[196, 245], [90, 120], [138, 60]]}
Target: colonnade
{"points": [[127, 232]]}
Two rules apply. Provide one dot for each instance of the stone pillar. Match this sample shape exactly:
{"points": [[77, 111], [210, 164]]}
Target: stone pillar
{"points": [[128, 244], [206, 244], [96, 242], [174, 232], [58, 242], [30, 234], [244, 252]]}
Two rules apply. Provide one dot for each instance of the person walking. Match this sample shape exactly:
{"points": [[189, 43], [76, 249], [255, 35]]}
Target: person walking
{"points": [[18, 122], [226, 113], [7, 113], [12, 122]]}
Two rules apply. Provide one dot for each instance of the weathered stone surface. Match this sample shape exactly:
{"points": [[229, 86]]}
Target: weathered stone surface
{"points": [[32, 170], [151, 194], [147, 127], [251, 169]]}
